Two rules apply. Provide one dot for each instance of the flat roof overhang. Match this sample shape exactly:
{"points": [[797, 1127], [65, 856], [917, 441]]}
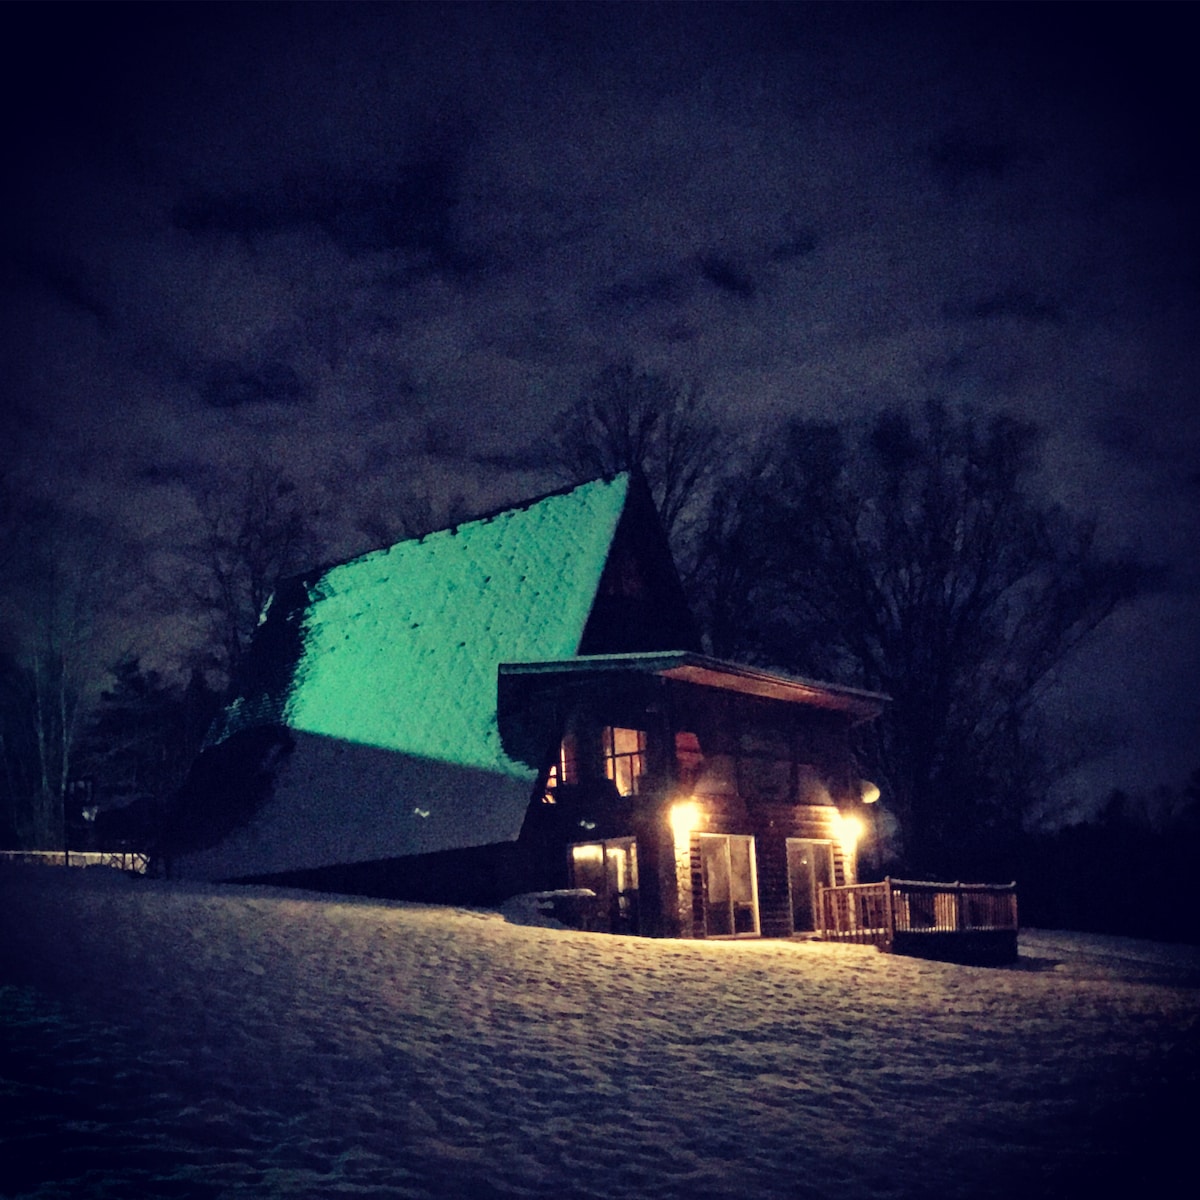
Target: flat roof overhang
{"points": [[699, 669]]}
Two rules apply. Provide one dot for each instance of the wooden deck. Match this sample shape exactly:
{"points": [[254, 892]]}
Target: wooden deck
{"points": [[954, 922]]}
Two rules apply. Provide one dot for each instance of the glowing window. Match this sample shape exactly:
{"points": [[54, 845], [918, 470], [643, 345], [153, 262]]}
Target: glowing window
{"points": [[624, 758], [610, 870], [564, 769]]}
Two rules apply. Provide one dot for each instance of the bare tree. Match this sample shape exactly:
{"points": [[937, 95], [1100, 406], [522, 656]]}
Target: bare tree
{"points": [[913, 559], [409, 513], [56, 604], [731, 562], [637, 419], [253, 531]]}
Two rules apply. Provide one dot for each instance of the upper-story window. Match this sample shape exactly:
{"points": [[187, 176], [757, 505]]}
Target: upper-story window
{"points": [[624, 758], [564, 769]]}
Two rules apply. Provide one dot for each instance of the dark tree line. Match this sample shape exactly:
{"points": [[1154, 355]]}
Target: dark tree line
{"points": [[73, 729], [144, 734], [630, 418], [1129, 871], [52, 574], [913, 558], [911, 555]]}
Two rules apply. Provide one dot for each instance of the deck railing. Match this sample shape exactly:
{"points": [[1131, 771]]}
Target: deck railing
{"points": [[899, 913], [860, 912], [133, 861]]}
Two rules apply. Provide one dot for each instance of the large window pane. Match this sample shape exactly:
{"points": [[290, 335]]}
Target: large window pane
{"points": [[625, 758]]}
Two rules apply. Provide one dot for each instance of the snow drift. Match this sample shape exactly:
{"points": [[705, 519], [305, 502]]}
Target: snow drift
{"points": [[200, 1040]]}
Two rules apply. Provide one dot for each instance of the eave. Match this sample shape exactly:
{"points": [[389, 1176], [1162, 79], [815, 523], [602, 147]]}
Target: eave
{"points": [[689, 667]]}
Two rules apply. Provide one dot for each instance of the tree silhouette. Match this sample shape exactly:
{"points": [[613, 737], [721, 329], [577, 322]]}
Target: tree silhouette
{"points": [[58, 591], [636, 419], [144, 731], [253, 532], [913, 559]]}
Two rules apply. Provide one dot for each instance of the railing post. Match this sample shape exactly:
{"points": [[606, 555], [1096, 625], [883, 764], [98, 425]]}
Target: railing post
{"points": [[889, 912]]}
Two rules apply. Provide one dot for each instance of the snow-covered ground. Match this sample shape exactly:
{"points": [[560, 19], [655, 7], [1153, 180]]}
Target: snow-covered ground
{"points": [[205, 1041]]}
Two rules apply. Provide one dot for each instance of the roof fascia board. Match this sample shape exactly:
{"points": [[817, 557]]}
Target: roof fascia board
{"points": [[711, 672]]}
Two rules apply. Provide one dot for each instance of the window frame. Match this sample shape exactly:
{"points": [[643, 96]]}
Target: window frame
{"points": [[620, 764]]}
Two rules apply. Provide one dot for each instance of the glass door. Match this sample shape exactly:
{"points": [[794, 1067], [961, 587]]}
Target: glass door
{"points": [[730, 895], [610, 869], [810, 866]]}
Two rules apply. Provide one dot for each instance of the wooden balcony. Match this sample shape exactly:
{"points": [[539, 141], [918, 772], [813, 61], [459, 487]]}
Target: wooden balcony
{"points": [[954, 922]]}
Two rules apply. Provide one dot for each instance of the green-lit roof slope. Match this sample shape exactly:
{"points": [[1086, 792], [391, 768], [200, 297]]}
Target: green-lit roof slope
{"points": [[401, 647], [384, 670]]}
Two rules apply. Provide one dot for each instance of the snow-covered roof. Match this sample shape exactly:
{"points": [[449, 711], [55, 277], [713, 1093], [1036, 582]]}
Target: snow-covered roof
{"points": [[399, 648], [391, 684]]}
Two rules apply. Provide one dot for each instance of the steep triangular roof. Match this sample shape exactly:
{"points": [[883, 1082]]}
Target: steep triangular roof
{"points": [[384, 671], [399, 648]]}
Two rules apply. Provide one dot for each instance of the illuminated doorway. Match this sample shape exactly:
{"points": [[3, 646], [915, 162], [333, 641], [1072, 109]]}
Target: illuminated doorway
{"points": [[730, 894], [610, 869], [810, 867]]}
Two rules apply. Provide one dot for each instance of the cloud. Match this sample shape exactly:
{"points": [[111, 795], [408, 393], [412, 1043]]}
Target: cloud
{"points": [[961, 155], [413, 212], [68, 279], [800, 244], [726, 276], [232, 385], [656, 287], [1015, 303]]}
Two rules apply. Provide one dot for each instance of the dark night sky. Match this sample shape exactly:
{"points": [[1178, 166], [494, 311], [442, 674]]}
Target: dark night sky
{"points": [[382, 245]]}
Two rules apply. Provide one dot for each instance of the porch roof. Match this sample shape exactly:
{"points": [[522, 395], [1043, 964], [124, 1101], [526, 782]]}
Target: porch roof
{"points": [[690, 667]]}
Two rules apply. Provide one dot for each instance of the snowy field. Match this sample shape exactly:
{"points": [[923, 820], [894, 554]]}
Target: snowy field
{"points": [[204, 1041]]}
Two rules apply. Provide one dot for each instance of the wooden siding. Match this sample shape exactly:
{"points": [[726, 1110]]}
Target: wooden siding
{"points": [[771, 831], [758, 767], [771, 828]]}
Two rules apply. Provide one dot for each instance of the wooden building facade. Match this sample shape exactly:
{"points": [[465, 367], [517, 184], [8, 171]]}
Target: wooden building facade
{"points": [[696, 798], [520, 703]]}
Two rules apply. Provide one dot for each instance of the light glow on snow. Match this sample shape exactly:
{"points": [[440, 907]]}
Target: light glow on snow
{"points": [[257, 1043]]}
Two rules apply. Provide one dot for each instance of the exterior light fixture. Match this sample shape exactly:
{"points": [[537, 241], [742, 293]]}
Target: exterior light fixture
{"points": [[684, 817], [868, 792], [849, 830]]}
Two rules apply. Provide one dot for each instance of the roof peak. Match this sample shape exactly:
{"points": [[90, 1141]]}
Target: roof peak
{"points": [[519, 506], [311, 574]]}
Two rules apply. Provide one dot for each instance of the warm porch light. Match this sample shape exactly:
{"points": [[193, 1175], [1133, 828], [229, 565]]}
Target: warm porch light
{"points": [[685, 817], [849, 830]]}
